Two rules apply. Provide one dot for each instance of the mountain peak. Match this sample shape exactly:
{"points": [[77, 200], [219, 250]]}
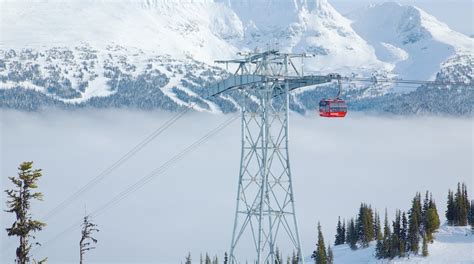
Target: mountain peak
{"points": [[406, 36]]}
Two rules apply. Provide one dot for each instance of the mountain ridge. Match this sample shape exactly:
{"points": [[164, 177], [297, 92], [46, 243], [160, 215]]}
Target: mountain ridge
{"points": [[172, 44]]}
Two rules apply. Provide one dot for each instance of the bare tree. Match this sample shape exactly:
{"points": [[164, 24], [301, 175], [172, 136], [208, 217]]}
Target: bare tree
{"points": [[85, 244]]}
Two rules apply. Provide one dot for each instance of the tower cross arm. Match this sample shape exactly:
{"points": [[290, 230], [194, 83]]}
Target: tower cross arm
{"points": [[234, 81], [250, 80], [309, 80]]}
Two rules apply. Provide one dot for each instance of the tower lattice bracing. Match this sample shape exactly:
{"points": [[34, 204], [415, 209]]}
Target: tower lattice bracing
{"points": [[265, 217], [265, 200]]}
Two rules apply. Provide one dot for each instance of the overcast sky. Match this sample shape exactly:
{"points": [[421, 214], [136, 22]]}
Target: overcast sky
{"points": [[458, 14]]}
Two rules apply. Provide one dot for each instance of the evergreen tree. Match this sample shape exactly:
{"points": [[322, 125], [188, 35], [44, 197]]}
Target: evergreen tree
{"points": [[330, 258], [417, 209], [215, 260], [19, 202], [343, 233], [471, 214], [387, 234], [437, 222], [451, 208], [339, 233], [382, 248], [424, 250], [85, 244], [397, 248], [207, 259], [426, 205], [188, 259], [414, 225], [320, 255], [458, 206], [351, 234], [377, 227], [379, 251], [394, 246], [396, 224], [226, 258], [365, 225], [461, 206], [466, 203], [404, 232], [432, 221]]}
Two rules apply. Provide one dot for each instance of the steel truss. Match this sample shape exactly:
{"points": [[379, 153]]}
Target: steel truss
{"points": [[265, 200], [265, 216]]}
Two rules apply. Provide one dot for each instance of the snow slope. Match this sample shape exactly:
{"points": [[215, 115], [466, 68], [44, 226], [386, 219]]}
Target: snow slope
{"points": [[203, 29], [454, 245], [197, 28], [406, 36], [73, 51], [313, 27]]}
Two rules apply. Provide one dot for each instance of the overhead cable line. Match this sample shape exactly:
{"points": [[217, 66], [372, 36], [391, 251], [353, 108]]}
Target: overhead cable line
{"points": [[147, 178], [122, 159]]}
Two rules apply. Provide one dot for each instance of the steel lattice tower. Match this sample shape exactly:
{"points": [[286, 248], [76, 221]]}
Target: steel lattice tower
{"points": [[265, 210], [265, 216]]}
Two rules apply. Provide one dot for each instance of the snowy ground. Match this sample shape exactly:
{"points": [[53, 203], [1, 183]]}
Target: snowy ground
{"points": [[336, 165], [451, 245]]}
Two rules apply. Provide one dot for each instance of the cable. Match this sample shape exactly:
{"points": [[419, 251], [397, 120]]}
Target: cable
{"points": [[119, 162], [146, 141], [419, 82], [147, 178], [128, 155], [116, 164], [124, 158]]}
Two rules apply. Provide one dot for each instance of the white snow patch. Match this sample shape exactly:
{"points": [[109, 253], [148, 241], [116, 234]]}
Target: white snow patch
{"points": [[23, 84], [451, 245], [398, 54]]}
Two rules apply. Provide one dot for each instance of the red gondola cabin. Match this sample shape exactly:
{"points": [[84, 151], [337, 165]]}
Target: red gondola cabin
{"points": [[332, 108]]}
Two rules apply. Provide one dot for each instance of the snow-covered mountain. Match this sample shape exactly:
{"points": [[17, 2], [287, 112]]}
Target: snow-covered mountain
{"points": [[451, 245], [159, 53], [406, 36], [179, 28], [305, 26]]}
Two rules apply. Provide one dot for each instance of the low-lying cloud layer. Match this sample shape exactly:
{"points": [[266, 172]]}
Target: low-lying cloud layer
{"points": [[336, 165]]}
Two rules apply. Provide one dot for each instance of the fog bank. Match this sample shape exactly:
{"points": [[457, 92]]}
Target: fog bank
{"points": [[336, 165]]}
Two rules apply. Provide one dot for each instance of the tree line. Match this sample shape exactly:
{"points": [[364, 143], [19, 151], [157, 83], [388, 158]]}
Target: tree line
{"points": [[398, 239], [409, 233], [19, 200], [206, 259], [403, 239], [460, 211]]}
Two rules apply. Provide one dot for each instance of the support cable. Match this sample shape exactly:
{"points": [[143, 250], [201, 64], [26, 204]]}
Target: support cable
{"points": [[124, 158], [147, 178]]}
